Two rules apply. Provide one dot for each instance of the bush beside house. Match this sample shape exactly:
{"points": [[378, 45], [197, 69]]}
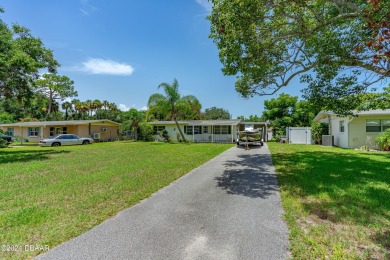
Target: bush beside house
{"points": [[383, 140], [318, 130]]}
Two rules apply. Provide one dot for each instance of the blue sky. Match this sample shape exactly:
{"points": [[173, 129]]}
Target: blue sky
{"points": [[122, 50]]}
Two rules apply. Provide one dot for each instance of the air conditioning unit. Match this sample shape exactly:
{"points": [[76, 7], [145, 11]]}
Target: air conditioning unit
{"points": [[328, 140], [96, 136], [104, 129]]}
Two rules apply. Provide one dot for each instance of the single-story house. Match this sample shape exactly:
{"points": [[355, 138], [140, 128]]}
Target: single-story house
{"points": [[34, 131], [357, 130], [213, 131]]}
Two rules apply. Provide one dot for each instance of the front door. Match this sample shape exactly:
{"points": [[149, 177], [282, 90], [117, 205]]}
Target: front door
{"points": [[58, 131]]}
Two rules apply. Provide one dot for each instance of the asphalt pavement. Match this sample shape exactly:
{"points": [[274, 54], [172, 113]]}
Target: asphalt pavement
{"points": [[228, 208]]}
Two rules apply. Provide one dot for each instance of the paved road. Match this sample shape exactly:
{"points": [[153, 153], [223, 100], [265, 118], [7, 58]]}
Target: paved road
{"points": [[228, 208]]}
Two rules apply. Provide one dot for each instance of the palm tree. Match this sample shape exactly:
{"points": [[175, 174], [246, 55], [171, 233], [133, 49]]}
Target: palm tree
{"points": [[189, 108], [112, 106], [88, 105], [97, 105], [105, 105], [66, 106], [80, 108], [170, 101]]}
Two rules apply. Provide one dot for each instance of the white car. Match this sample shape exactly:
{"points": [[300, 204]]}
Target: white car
{"points": [[65, 139]]}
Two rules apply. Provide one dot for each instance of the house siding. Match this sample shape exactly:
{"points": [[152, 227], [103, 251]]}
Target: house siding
{"points": [[340, 138], [355, 135], [203, 137], [172, 132], [358, 136], [79, 129]]}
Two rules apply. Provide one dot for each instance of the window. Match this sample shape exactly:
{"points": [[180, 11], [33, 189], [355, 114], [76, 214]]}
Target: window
{"points": [[10, 131], [373, 125], [217, 129], [51, 131], [205, 129], [188, 130], [197, 129], [222, 129], [33, 131], [64, 130], [158, 128], [385, 124], [341, 126]]}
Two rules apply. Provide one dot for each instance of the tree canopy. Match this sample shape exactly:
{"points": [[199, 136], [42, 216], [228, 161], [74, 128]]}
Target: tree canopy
{"points": [[22, 56], [338, 48], [55, 87], [214, 113], [286, 110]]}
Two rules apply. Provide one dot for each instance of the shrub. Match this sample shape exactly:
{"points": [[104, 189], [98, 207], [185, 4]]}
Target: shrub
{"points": [[318, 130], [3, 143], [383, 140], [145, 132], [164, 134], [278, 134]]}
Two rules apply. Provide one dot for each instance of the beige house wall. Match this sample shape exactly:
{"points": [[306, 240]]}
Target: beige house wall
{"points": [[112, 131], [79, 130], [357, 131]]}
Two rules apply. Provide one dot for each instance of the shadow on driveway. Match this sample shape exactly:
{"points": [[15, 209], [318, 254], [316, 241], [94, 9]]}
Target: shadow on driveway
{"points": [[251, 175]]}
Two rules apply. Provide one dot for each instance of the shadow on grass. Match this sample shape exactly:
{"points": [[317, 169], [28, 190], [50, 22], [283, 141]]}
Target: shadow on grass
{"points": [[10, 156], [342, 186], [249, 176]]}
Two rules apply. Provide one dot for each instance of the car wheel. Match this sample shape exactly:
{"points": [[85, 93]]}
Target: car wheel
{"points": [[85, 142], [55, 144]]}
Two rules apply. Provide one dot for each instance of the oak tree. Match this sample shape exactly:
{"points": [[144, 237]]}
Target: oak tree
{"points": [[339, 48]]}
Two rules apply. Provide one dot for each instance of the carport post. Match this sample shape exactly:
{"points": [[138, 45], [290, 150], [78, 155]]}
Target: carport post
{"points": [[212, 134]]}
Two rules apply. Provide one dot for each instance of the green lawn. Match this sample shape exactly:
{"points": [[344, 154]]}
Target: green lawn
{"points": [[48, 195], [336, 201]]}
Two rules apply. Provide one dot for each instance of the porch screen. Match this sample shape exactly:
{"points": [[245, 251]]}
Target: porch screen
{"points": [[222, 129]]}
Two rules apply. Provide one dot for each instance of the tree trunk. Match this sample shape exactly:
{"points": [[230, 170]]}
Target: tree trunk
{"points": [[181, 132], [135, 132], [50, 101]]}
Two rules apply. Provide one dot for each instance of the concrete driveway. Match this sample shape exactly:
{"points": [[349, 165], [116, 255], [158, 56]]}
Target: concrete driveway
{"points": [[228, 208]]}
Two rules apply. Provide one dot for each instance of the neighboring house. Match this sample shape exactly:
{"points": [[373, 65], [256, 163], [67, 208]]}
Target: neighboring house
{"points": [[358, 130], [34, 131], [214, 131]]}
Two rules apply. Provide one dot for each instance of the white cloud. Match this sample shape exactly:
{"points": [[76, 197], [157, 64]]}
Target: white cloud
{"points": [[207, 6], [102, 66], [123, 107]]}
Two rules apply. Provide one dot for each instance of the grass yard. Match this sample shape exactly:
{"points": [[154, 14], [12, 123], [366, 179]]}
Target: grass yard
{"points": [[336, 201], [48, 196]]}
